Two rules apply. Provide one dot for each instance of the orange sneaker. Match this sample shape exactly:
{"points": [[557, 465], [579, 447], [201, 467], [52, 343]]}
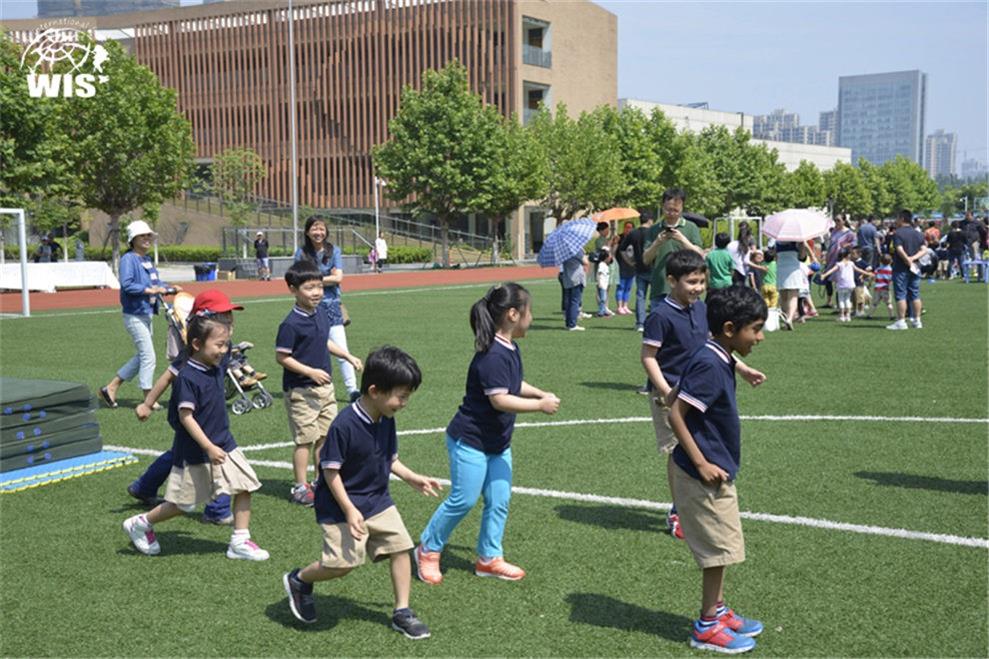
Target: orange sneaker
{"points": [[500, 569], [428, 566]]}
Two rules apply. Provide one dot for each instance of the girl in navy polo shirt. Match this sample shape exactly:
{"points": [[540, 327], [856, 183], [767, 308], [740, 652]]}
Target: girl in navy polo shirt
{"points": [[207, 461], [479, 437]]}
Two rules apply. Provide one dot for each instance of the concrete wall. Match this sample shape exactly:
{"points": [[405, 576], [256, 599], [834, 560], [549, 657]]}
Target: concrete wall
{"points": [[823, 157], [692, 119], [584, 43]]}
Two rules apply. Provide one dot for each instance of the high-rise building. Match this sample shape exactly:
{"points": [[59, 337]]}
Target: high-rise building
{"points": [[940, 150], [973, 168], [881, 115], [783, 126], [828, 120], [61, 8]]}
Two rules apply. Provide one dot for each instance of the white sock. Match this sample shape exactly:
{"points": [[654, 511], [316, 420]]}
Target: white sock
{"points": [[240, 536]]}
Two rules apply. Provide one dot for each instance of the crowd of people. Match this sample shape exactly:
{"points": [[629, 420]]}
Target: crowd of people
{"points": [[859, 265]]}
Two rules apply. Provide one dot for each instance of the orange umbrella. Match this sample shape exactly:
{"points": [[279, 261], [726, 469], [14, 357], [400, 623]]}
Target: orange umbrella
{"points": [[616, 214]]}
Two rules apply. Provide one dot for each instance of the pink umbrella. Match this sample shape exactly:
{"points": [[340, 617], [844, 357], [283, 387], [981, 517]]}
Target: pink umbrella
{"points": [[797, 225]]}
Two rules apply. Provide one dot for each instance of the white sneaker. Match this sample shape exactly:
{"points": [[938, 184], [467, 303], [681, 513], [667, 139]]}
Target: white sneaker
{"points": [[585, 315], [576, 328], [247, 550], [916, 323], [898, 325], [142, 536]]}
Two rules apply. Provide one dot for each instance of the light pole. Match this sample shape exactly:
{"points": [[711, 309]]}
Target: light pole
{"points": [[377, 215], [294, 172]]}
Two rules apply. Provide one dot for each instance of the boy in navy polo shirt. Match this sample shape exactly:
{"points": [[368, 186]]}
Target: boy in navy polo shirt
{"points": [[705, 462], [353, 506], [303, 349], [673, 332]]}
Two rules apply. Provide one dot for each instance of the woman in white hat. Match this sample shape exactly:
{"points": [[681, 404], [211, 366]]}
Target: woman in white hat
{"points": [[139, 290]]}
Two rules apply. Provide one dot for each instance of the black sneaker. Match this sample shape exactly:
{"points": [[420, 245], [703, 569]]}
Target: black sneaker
{"points": [[149, 501], [300, 597], [405, 621]]}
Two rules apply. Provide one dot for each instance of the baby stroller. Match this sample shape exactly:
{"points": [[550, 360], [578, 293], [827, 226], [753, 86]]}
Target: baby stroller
{"points": [[243, 383]]}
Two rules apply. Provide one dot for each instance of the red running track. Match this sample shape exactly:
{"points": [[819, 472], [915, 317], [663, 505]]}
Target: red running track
{"points": [[95, 298]]}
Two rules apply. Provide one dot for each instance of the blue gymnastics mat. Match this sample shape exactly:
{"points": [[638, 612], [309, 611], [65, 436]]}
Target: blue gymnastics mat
{"points": [[60, 470]]}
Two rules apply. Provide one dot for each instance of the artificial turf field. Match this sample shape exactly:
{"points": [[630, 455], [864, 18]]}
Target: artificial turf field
{"points": [[604, 580]]}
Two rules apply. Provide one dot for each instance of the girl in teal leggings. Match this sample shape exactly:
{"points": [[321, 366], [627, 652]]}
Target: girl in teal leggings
{"points": [[479, 437]]}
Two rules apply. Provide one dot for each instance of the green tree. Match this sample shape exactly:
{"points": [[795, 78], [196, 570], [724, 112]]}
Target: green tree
{"points": [[583, 165], [235, 174], [732, 165], [129, 145], [34, 168], [518, 175], [846, 190], [691, 168], [805, 187], [909, 185], [770, 177], [875, 182], [441, 151], [640, 157]]}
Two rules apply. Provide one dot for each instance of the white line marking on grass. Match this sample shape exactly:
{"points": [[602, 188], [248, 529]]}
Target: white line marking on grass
{"points": [[647, 419], [623, 502]]}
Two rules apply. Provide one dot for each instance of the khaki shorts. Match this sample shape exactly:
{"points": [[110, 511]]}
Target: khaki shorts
{"points": [[770, 295], [861, 295], [666, 440], [192, 485], [311, 410], [385, 535], [709, 518]]}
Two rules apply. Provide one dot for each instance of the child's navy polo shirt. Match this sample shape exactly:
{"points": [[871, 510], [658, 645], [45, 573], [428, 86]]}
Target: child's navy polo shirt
{"points": [[708, 387], [363, 452], [200, 388], [477, 423], [304, 336], [677, 332]]}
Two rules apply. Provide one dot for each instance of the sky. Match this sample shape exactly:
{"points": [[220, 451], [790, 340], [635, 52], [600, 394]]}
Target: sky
{"points": [[754, 57]]}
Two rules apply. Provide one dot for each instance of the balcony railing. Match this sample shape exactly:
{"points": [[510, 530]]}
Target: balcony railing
{"points": [[537, 56]]}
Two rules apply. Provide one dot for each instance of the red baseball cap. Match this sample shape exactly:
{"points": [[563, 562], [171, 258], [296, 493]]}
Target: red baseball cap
{"points": [[215, 301]]}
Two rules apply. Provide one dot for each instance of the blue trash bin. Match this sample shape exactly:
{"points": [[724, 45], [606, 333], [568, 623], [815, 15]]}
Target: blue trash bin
{"points": [[205, 271]]}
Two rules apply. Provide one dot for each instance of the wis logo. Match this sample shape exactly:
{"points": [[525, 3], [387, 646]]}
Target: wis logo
{"points": [[55, 45]]}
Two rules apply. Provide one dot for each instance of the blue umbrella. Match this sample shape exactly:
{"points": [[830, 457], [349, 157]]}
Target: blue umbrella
{"points": [[566, 242]]}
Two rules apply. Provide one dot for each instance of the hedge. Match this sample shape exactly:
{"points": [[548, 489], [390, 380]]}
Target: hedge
{"points": [[200, 253]]}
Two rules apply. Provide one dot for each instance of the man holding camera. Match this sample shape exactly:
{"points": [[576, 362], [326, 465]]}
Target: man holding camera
{"points": [[671, 235]]}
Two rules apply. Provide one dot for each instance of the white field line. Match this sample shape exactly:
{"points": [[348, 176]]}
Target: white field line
{"points": [[646, 419], [285, 298], [623, 502]]}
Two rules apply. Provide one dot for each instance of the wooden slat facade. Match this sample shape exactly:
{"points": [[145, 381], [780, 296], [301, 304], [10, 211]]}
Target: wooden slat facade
{"points": [[353, 58]]}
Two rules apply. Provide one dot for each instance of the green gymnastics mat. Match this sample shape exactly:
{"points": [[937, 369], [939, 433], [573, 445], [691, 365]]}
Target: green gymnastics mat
{"points": [[45, 421]]}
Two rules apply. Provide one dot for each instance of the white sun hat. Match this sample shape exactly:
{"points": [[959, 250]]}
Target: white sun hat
{"points": [[138, 228]]}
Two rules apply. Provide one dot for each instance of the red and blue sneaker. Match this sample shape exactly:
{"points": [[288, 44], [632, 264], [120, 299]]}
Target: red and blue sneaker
{"points": [[717, 637], [673, 525], [738, 624]]}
